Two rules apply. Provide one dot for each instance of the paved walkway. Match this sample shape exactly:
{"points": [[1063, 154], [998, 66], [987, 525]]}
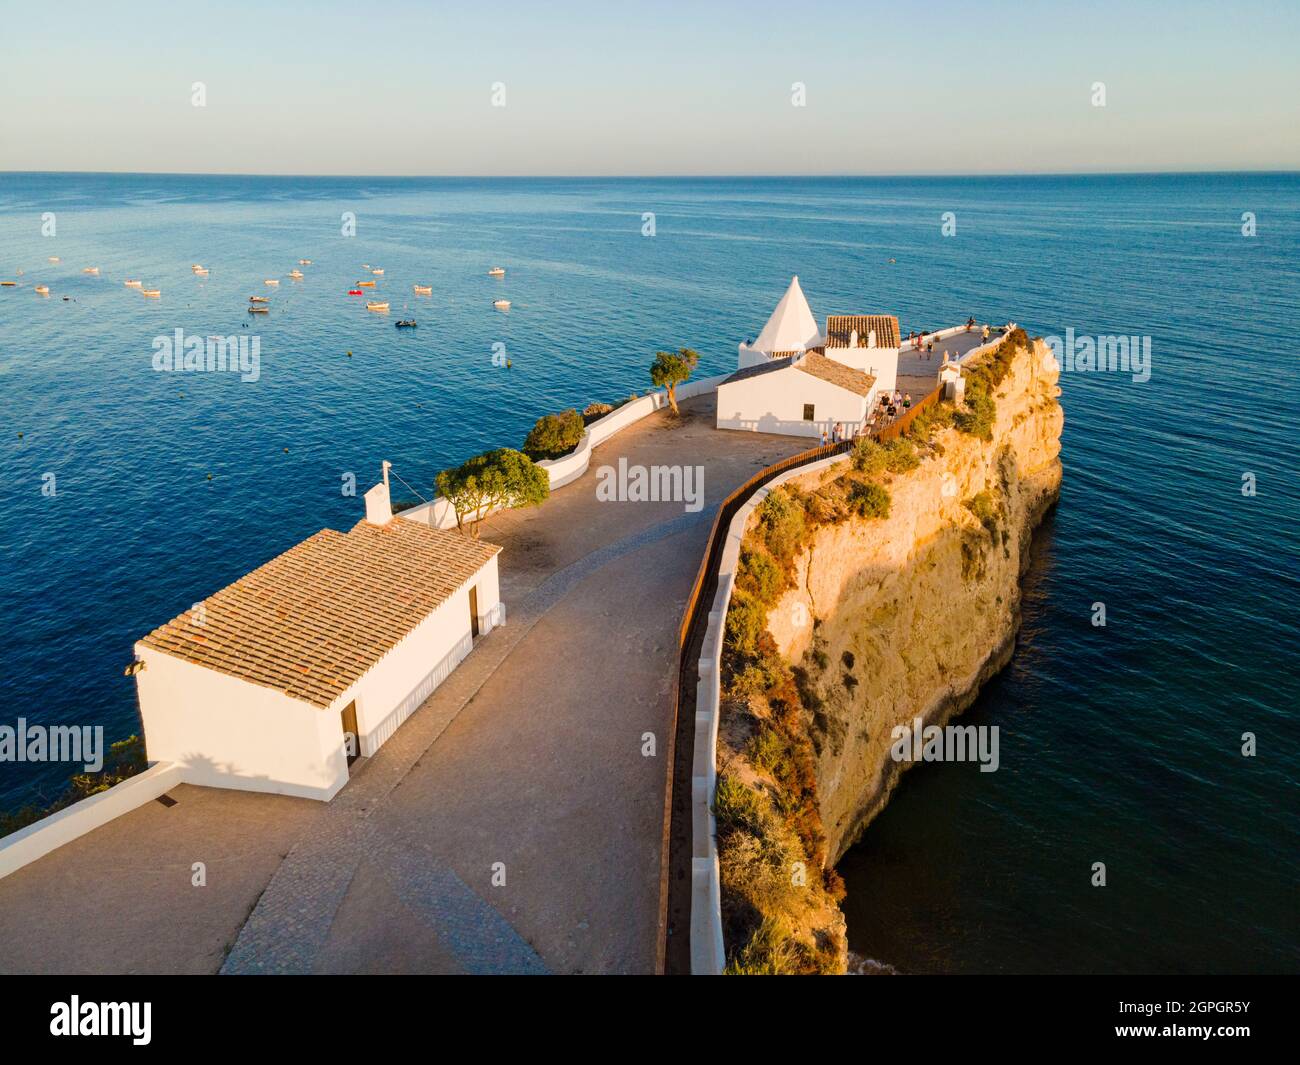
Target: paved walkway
{"points": [[512, 824], [918, 374]]}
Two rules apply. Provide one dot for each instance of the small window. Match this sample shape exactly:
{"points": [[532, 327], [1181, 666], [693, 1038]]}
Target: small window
{"points": [[808, 415]]}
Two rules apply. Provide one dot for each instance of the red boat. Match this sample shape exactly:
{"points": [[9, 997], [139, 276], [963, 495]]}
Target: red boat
{"points": [[355, 292]]}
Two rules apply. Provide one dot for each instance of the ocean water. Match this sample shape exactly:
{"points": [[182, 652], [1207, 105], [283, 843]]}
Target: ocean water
{"points": [[1118, 744]]}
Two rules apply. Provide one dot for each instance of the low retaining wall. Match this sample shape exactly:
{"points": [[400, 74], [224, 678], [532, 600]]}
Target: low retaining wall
{"points": [[568, 468], [39, 838], [708, 952]]}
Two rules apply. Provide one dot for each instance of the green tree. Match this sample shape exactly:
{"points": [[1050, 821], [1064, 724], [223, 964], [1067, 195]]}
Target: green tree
{"points": [[500, 478], [670, 369], [554, 435]]}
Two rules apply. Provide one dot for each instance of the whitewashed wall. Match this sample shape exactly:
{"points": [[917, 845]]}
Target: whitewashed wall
{"points": [[227, 733], [399, 682], [773, 403], [880, 363]]}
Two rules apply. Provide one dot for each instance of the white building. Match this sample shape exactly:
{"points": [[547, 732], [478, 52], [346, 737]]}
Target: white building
{"points": [[799, 380], [279, 681], [799, 395]]}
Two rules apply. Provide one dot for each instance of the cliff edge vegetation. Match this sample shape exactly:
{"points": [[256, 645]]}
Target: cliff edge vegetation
{"points": [[867, 594]]}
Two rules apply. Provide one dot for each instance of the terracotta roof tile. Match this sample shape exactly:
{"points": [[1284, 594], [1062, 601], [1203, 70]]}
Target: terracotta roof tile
{"points": [[770, 366], [315, 619], [840, 327], [836, 373]]}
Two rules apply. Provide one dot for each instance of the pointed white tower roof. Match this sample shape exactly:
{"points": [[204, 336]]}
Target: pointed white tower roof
{"points": [[792, 326]]}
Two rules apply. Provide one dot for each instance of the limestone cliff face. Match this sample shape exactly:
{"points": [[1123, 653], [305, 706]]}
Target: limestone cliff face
{"points": [[911, 614]]}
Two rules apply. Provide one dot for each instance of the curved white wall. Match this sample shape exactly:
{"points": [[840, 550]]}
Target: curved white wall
{"points": [[569, 468]]}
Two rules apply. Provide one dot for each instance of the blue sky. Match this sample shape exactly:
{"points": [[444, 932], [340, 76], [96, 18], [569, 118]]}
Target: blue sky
{"points": [[663, 88]]}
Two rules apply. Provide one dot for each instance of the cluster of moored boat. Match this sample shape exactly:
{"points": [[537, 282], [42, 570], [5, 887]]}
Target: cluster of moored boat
{"points": [[261, 304], [382, 306]]}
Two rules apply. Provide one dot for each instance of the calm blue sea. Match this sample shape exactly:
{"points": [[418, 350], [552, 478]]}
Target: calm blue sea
{"points": [[1118, 745]]}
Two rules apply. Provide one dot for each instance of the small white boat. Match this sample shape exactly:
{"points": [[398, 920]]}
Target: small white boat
{"points": [[373, 306], [296, 274], [497, 271], [42, 290], [202, 271], [377, 273], [272, 280], [152, 293], [8, 284], [55, 259], [259, 299], [132, 284], [258, 308], [304, 262], [199, 269], [423, 290], [365, 284], [90, 270], [501, 305]]}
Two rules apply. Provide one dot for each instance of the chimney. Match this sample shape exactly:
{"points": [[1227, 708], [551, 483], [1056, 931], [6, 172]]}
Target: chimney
{"points": [[379, 505], [379, 509]]}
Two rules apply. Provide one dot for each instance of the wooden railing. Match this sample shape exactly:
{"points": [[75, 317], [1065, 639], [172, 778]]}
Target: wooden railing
{"points": [[899, 425]]}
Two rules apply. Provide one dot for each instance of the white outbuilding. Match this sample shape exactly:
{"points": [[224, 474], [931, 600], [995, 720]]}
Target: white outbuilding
{"points": [[280, 681], [799, 395]]}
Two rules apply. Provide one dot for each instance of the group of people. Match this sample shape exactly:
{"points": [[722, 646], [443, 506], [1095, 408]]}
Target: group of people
{"points": [[838, 433], [891, 404]]}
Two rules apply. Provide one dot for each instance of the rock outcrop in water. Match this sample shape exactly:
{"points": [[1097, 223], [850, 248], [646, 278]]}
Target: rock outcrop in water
{"points": [[870, 595]]}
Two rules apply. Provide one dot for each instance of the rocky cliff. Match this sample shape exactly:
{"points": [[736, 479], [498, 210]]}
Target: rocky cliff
{"points": [[911, 614], [868, 594]]}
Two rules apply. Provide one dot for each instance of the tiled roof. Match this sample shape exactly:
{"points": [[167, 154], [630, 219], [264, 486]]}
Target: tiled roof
{"points": [[836, 373], [313, 620], [815, 365], [763, 367], [840, 327]]}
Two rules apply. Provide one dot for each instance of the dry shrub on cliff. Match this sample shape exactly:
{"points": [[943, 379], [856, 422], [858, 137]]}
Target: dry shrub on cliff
{"points": [[981, 411], [781, 524], [986, 510], [930, 421], [869, 500], [759, 576], [983, 376], [772, 922]]}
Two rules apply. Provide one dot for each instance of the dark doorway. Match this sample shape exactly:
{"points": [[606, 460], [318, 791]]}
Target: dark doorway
{"points": [[351, 737], [473, 611]]}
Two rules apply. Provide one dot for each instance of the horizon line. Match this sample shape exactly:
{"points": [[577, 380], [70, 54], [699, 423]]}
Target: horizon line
{"points": [[648, 177]]}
